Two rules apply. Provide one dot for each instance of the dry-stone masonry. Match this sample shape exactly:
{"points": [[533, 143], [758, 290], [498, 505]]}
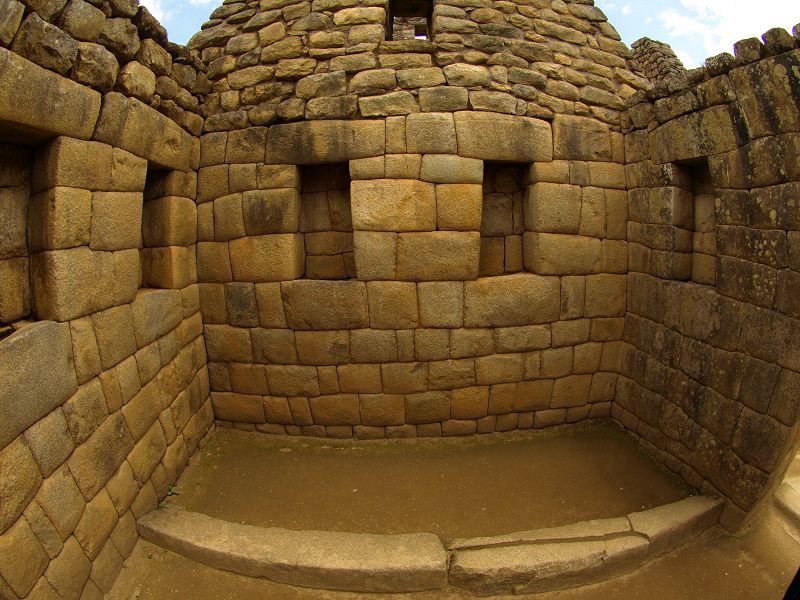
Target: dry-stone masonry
{"points": [[299, 226]]}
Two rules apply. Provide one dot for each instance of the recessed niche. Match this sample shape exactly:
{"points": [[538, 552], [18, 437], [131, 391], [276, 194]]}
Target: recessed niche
{"points": [[502, 221], [326, 221]]}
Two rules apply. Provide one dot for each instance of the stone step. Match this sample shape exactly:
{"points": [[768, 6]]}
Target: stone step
{"points": [[522, 562], [579, 554], [359, 562], [787, 498]]}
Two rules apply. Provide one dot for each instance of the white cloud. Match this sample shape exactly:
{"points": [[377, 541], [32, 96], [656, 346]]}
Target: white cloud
{"points": [[157, 9], [625, 10], [687, 59], [718, 24]]}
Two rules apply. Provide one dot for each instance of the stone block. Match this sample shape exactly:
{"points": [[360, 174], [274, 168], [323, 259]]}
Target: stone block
{"points": [[59, 218], [293, 381], [571, 391], [451, 374], [511, 300], [213, 262], [131, 125], [431, 344], [553, 208], [367, 168], [499, 368], [15, 299], [404, 378], [271, 211], [380, 410], [557, 254], [318, 142], [50, 442], [392, 104], [497, 137], [155, 313], [392, 305], [30, 93], [270, 305], [606, 295], [704, 133], [465, 343], [96, 524], [36, 366], [60, 278], [580, 138], [441, 303], [443, 98], [85, 410], [522, 339], [238, 408], [276, 257], [147, 453], [22, 558], [169, 221], [225, 343], [375, 254], [337, 409], [323, 347], [459, 207], [438, 256], [450, 168], [360, 379], [427, 407], [373, 345], [393, 205], [325, 304], [431, 133]]}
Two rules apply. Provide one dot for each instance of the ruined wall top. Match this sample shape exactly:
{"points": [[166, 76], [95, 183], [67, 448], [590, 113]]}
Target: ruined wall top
{"points": [[655, 59], [108, 45], [279, 60]]}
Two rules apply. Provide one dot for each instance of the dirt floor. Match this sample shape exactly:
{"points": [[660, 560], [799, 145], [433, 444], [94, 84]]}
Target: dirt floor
{"points": [[452, 487], [756, 564]]}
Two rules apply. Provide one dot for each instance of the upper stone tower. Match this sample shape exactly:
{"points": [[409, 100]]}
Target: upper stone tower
{"points": [[280, 60]]}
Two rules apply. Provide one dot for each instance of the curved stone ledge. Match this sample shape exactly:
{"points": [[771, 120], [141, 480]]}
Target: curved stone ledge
{"points": [[322, 559], [522, 562]]}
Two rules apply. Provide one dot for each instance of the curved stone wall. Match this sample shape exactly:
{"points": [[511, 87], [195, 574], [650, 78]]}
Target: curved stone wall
{"points": [[281, 61]]}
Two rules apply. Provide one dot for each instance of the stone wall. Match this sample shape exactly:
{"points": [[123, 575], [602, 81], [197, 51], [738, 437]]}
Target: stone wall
{"points": [[655, 59], [278, 61], [415, 342], [709, 373], [105, 385]]}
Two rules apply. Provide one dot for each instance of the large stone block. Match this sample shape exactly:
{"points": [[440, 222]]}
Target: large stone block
{"points": [[392, 305], [553, 208], [325, 304], [277, 257], [95, 461], [323, 347], [459, 206], [15, 297], [169, 267], [22, 558], [393, 205], [271, 211], [29, 92], [238, 408], [169, 221], [317, 142], [697, 135], [129, 124], [38, 374], [116, 220], [511, 300], [438, 256], [61, 278], [59, 218], [493, 136], [155, 313], [19, 480], [375, 254], [557, 254], [337, 409], [431, 133], [450, 168], [73, 163], [580, 138], [606, 295]]}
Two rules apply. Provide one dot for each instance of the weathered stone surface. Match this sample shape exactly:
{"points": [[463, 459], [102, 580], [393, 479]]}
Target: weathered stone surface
{"points": [[277, 257], [395, 103], [431, 133], [45, 44], [325, 304], [343, 561], [491, 136], [22, 558], [511, 300], [580, 138], [556, 254], [448, 168], [95, 461], [711, 131], [70, 570], [438, 256], [324, 141], [29, 92], [669, 526], [20, 481], [37, 369], [393, 205]]}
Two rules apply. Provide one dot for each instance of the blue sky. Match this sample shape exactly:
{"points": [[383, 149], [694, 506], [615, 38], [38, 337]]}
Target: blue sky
{"points": [[696, 29]]}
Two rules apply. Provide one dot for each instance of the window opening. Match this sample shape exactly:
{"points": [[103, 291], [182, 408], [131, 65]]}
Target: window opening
{"points": [[410, 20]]}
